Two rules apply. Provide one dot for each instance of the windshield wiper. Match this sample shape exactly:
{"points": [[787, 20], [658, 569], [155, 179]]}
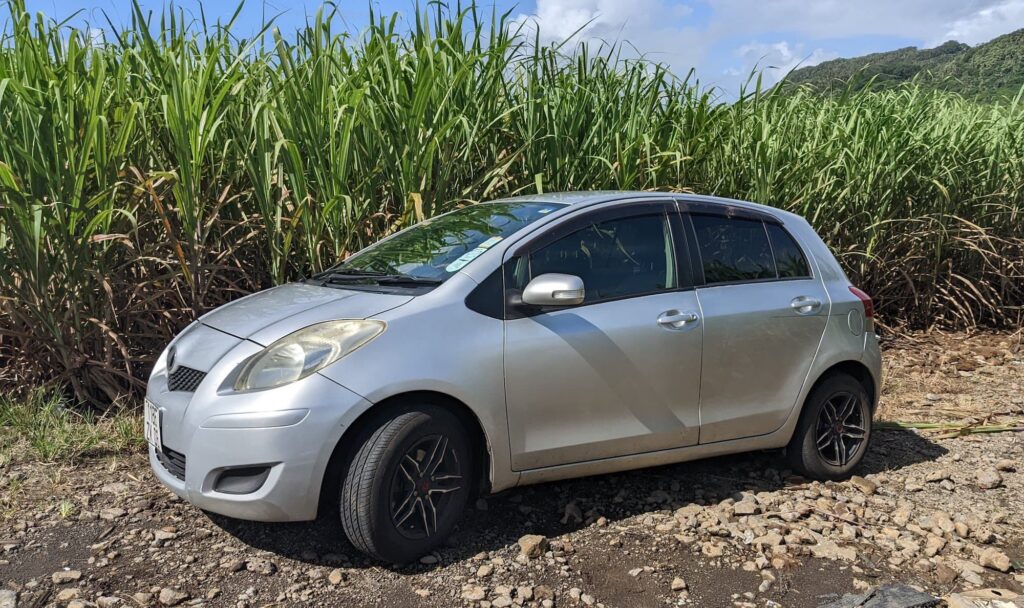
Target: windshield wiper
{"points": [[350, 275], [406, 279], [353, 272], [381, 278]]}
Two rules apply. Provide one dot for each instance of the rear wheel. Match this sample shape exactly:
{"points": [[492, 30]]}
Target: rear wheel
{"points": [[832, 435], [407, 484]]}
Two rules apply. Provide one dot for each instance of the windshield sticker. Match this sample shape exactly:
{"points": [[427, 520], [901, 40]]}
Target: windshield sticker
{"points": [[464, 259], [491, 242]]}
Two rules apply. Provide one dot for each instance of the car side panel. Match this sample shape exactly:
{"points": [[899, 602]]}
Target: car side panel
{"points": [[601, 380], [757, 352], [435, 343], [837, 346]]}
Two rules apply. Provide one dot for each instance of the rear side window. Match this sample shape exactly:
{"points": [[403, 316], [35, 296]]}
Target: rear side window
{"points": [[733, 249], [615, 258], [789, 259]]}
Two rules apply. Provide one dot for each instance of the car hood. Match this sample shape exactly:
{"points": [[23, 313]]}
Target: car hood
{"points": [[266, 316]]}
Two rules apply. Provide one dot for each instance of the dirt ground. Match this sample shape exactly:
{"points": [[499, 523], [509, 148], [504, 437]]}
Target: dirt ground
{"points": [[940, 510]]}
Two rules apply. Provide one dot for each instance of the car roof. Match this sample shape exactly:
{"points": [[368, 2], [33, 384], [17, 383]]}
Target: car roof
{"points": [[604, 196]]}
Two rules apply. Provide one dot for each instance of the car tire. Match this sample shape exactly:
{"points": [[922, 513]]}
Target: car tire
{"points": [[834, 430], [407, 483]]}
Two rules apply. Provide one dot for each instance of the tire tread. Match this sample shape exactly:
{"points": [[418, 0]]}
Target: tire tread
{"points": [[357, 487]]}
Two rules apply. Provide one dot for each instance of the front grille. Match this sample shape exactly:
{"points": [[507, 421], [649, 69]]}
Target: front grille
{"points": [[173, 461], [184, 379]]}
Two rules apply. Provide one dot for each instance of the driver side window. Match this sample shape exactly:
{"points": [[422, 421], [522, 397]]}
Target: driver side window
{"points": [[616, 258]]}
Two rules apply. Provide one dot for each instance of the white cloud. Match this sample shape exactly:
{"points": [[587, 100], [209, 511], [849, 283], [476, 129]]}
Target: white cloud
{"points": [[560, 19], [987, 23], [776, 59], [798, 32], [930, 21], [659, 30]]}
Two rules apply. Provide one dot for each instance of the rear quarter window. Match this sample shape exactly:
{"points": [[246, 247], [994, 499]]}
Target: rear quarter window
{"points": [[789, 258]]}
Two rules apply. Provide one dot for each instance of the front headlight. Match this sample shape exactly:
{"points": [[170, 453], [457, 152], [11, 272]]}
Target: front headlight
{"points": [[305, 352]]}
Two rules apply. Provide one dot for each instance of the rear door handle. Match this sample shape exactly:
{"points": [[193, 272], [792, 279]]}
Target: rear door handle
{"points": [[805, 304], [673, 319]]}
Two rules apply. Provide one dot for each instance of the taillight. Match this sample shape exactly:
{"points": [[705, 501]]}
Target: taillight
{"points": [[865, 299]]}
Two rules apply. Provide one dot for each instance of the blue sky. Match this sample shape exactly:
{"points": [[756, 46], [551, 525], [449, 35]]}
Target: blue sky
{"points": [[722, 39]]}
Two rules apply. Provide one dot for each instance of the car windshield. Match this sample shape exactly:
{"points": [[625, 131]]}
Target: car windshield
{"points": [[437, 248]]}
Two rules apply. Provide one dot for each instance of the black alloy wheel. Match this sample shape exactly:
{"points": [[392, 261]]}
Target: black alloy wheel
{"points": [[422, 485]]}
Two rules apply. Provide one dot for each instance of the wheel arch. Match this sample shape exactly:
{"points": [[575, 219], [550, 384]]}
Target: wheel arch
{"points": [[858, 371], [368, 420]]}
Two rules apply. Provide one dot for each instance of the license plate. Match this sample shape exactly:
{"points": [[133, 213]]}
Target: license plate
{"points": [[152, 418]]}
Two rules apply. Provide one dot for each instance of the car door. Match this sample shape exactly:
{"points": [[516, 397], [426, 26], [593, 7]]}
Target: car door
{"points": [[764, 316], [618, 374]]}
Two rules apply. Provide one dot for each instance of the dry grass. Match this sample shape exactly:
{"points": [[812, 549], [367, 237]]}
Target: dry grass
{"points": [[950, 385]]}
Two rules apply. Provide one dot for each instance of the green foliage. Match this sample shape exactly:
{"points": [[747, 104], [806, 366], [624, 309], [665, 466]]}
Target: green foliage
{"points": [[989, 71], [41, 426], [173, 167]]}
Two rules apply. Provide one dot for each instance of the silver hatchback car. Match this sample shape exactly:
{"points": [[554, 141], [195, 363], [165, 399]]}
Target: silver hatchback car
{"points": [[513, 342]]}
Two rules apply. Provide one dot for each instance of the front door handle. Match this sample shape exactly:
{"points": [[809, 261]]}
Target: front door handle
{"points": [[805, 305], [674, 319]]}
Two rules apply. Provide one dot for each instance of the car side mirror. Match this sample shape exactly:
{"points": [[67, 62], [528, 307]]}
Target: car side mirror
{"points": [[554, 289]]}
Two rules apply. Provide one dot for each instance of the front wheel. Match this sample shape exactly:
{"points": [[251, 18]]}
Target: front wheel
{"points": [[834, 430], [407, 484]]}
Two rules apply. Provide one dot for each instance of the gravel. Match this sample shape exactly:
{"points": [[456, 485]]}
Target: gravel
{"points": [[944, 514]]}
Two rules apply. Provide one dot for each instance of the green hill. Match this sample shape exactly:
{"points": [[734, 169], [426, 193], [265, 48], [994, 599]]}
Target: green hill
{"points": [[992, 69]]}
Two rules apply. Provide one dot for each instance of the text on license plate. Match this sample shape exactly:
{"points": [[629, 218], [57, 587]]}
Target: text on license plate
{"points": [[152, 424]]}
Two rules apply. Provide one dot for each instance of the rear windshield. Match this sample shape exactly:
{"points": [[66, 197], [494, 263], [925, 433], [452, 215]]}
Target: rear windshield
{"points": [[439, 247]]}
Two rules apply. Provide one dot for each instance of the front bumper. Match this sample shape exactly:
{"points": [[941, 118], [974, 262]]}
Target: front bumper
{"points": [[296, 454]]}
